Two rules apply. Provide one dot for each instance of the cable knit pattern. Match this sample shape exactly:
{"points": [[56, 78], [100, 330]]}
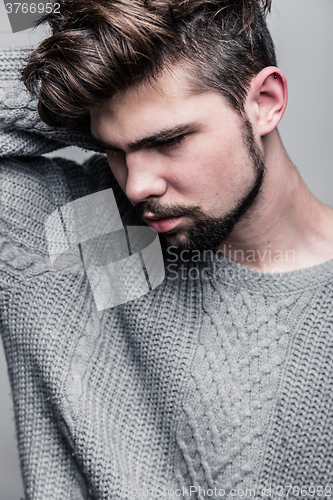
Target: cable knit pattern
{"points": [[219, 379], [235, 382]]}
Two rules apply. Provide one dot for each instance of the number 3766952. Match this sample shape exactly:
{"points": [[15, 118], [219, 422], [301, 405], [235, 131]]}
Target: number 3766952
{"points": [[32, 8]]}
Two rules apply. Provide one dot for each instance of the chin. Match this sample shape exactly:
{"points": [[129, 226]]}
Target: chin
{"points": [[184, 242], [178, 239]]}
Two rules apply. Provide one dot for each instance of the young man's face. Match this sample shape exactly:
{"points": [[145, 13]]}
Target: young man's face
{"points": [[187, 162]]}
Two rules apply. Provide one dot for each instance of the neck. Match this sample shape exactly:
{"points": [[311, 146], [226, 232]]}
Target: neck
{"points": [[288, 228]]}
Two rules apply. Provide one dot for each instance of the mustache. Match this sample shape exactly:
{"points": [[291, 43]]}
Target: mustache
{"points": [[159, 210]]}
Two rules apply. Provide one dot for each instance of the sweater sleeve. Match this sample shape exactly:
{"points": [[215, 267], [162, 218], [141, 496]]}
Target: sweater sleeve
{"points": [[22, 133]]}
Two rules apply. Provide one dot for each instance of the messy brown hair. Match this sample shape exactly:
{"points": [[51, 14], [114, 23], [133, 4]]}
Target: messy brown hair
{"points": [[99, 48]]}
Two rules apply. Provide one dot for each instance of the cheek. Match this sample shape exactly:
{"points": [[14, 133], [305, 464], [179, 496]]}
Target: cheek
{"points": [[216, 173], [217, 162]]}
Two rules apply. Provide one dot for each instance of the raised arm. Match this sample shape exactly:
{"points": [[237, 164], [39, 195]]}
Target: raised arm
{"points": [[22, 133]]}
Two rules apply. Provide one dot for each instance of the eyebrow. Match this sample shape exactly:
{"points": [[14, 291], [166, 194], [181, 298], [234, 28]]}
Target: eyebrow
{"points": [[155, 139]]}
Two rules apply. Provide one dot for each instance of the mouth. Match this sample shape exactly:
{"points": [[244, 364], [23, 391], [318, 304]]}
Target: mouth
{"points": [[162, 224]]}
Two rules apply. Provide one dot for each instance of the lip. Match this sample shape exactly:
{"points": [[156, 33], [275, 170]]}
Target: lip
{"points": [[162, 225]]}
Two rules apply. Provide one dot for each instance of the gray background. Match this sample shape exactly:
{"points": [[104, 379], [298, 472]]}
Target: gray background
{"points": [[303, 37]]}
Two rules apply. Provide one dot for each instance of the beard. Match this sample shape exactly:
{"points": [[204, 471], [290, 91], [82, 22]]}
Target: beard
{"points": [[207, 232]]}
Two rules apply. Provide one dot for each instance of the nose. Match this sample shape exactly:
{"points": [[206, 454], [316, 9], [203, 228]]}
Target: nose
{"points": [[144, 177]]}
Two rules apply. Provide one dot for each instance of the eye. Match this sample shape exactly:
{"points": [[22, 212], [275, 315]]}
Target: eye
{"points": [[174, 141], [112, 151]]}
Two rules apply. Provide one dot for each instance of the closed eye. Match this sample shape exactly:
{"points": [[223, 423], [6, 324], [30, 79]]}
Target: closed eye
{"points": [[112, 151], [167, 143], [174, 141]]}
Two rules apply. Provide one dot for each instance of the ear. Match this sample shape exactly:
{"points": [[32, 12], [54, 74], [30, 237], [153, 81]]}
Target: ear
{"points": [[267, 100]]}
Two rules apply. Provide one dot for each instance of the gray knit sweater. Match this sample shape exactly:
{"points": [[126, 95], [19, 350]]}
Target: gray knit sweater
{"points": [[218, 381]]}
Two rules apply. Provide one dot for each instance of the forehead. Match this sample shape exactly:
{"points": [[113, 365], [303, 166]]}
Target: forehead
{"points": [[170, 86], [172, 83], [160, 104]]}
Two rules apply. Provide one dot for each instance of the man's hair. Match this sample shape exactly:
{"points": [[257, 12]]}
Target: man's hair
{"points": [[100, 48]]}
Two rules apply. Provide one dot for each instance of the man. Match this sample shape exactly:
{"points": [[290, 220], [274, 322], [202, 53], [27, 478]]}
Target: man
{"points": [[218, 383]]}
